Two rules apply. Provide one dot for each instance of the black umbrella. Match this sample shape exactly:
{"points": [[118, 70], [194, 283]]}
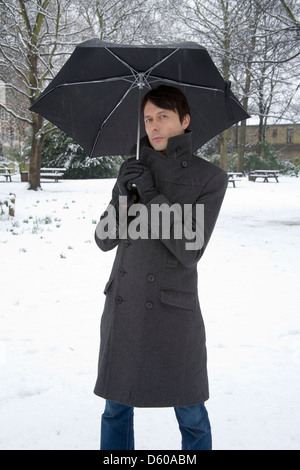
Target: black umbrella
{"points": [[95, 98]]}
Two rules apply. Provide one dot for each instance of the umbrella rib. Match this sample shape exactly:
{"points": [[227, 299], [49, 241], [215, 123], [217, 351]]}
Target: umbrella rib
{"points": [[125, 78], [110, 114], [169, 80], [132, 70], [147, 73], [140, 79], [174, 82]]}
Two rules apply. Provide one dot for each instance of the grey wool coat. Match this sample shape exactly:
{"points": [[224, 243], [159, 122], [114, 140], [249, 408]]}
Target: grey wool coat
{"points": [[152, 349]]}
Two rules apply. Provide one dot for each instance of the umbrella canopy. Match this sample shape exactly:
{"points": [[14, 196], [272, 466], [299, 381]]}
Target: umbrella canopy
{"points": [[95, 98]]}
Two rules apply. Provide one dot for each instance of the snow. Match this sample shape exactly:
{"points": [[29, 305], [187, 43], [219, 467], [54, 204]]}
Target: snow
{"points": [[52, 278]]}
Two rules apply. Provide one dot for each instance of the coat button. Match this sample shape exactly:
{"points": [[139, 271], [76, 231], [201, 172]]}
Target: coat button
{"points": [[151, 277], [149, 305], [127, 243], [184, 164], [119, 299], [121, 271]]}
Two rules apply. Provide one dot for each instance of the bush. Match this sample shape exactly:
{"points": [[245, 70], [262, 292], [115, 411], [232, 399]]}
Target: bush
{"points": [[267, 160], [59, 150], [296, 166], [252, 161]]}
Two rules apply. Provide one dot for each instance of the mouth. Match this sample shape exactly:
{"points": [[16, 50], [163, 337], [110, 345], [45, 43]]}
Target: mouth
{"points": [[157, 138]]}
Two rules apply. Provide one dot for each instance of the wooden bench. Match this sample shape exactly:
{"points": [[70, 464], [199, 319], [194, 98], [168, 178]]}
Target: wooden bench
{"points": [[232, 180], [5, 171], [264, 174], [52, 173], [233, 177]]}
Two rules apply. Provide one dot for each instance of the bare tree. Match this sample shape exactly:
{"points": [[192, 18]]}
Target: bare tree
{"points": [[214, 24], [283, 14], [34, 36], [244, 67], [39, 35], [255, 43], [276, 66], [114, 20]]}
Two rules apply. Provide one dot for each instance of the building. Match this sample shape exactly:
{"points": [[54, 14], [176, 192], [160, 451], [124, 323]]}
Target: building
{"points": [[285, 138], [9, 130]]}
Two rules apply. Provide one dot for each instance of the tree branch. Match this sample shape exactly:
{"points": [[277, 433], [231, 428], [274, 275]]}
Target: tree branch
{"points": [[14, 114]]}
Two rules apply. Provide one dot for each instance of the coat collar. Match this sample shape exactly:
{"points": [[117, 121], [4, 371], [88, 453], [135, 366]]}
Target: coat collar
{"points": [[179, 147]]}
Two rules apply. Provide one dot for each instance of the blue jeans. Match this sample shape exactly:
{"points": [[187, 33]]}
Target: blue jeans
{"points": [[117, 427]]}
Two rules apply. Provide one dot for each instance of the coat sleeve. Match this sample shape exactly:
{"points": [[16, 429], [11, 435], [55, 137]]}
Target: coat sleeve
{"points": [[107, 230], [189, 247]]}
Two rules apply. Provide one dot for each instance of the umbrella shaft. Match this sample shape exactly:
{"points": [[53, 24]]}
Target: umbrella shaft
{"points": [[138, 126], [138, 139]]}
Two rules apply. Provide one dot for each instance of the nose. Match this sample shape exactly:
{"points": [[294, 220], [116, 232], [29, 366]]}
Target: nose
{"points": [[154, 125]]}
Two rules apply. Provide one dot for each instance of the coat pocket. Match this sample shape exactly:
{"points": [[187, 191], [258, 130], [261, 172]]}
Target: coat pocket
{"points": [[108, 285], [183, 300]]}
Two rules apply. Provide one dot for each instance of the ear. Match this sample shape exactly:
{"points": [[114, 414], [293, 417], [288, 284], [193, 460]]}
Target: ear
{"points": [[186, 121]]}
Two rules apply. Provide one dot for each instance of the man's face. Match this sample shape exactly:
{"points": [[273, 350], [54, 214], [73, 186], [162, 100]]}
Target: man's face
{"points": [[161, 124]]}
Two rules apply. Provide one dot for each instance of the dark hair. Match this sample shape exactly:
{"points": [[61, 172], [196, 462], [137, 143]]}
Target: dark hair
{"points": [[168, 97]]}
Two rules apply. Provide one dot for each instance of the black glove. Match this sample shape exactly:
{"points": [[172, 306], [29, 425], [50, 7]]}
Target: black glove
{"points": [[145, 186], [129, 172]]}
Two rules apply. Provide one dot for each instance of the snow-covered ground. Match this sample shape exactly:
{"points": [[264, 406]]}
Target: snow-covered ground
{"points": [[52, 278]]}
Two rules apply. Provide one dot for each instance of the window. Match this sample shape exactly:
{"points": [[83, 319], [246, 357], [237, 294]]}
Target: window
{"points": [[5, 136], [274, 133], [290, 135], [3, 115]]}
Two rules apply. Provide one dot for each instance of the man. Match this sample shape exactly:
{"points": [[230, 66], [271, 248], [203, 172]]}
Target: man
{"points": [[152, 351]]}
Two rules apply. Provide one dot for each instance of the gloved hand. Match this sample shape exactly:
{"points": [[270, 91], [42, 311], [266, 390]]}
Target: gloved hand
{"points": [[145, 186], [129, 171]]}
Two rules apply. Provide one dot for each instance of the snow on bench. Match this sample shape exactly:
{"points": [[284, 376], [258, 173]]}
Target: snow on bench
{"points": [[5, 171], [233, 177], [52, 173], [265, 174]]}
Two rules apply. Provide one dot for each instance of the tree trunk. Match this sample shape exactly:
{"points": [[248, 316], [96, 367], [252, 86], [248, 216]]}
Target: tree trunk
{"points": [[243, 127], [242, 145], [223, 149], [36, 153], [260, 134]]}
